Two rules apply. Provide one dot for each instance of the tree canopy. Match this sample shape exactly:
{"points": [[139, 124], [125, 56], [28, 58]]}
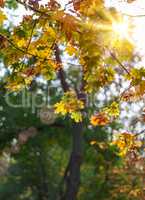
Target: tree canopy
{"points": [[58, 138]]}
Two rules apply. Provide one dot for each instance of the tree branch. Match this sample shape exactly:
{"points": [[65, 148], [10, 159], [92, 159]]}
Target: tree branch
{"points": [[72, 172], [24, 51], [61, 74], [31, 35]]}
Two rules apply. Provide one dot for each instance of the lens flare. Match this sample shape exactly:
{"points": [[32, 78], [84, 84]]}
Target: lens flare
{"points": [[120, 29]]}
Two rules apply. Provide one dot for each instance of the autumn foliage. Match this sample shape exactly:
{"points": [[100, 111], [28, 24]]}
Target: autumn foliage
{"points": [[79, 46]]}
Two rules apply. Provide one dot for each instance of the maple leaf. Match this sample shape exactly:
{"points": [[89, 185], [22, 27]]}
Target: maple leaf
{"points": [[68, 24], [134, 93], [2, 3], [28, 72], [93, 142], [71, 50], [127, 142], [70, 104], [77, 116], [112, 110], [99, 119], [14, 86], [2, 17], [60, 108], [53, 5], [128, 95]]}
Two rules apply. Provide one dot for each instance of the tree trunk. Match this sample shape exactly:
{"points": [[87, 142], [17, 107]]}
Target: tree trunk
{"points": [[72, 176], [72, 173]]}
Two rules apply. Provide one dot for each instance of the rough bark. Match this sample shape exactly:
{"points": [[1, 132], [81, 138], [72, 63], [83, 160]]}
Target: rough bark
{"points": [[73, 176], [72, 173], [61, 74]]}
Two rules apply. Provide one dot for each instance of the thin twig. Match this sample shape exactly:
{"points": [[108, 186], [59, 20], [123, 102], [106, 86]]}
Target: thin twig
{"points": [[118, 61], [28, 53], [140, 133], [23, 50], [31, 35], [128, 15], [30, 39]]}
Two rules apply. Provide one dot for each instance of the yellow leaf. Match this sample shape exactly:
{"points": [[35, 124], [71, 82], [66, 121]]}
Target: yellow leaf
{"points": [[77, 116], [2, 17], [60, 108], [51, 32], [112, 110], [93, 142], [71, 50], [70, 104]]}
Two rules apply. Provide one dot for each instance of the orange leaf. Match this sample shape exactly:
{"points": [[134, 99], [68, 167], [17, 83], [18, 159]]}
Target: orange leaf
{"points": [[99, 119], [2, 3]]}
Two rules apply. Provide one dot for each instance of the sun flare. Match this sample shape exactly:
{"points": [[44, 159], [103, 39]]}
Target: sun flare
{"points": [[120, 29]]}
